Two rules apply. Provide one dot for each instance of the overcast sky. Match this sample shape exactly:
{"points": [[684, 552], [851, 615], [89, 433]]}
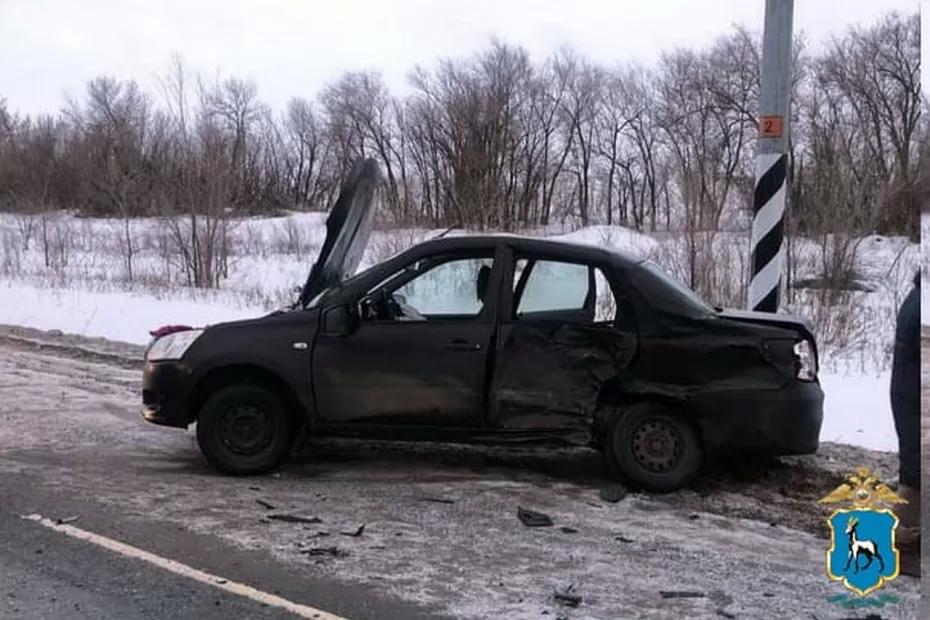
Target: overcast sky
{"points": [[50, 48]]}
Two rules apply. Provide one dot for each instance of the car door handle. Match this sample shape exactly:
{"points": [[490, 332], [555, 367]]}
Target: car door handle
{"points": [[460, 344]]}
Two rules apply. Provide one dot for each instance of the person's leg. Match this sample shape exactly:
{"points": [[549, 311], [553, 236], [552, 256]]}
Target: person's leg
{"points": [[907, 424]]}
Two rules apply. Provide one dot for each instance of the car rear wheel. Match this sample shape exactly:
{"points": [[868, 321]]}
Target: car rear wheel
{"points": [[654, 448], [244, 429]]}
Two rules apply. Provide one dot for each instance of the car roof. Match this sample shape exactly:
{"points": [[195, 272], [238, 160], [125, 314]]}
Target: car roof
{"points": [[563, 249]]}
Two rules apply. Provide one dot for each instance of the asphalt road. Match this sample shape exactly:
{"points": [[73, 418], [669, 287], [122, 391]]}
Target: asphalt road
{"points": [[47, 574], [440, 538]]}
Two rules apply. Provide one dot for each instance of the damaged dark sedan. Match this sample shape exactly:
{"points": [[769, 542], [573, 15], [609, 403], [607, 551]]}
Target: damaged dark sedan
{"points": [[491, 339]]}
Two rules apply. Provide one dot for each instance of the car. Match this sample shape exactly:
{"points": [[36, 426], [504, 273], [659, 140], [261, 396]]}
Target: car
{"points": [[491, 338]]}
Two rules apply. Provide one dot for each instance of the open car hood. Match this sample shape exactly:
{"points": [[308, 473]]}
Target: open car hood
{"points": [[348, 229]]}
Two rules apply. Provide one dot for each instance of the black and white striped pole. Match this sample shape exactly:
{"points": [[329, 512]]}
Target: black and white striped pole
{"points": [[767, 239]]}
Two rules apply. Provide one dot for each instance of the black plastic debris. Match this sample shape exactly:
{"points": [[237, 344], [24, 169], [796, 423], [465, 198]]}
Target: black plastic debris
{"points": [[681, 594], [613, 493], [437, 500], [694, 517], [568, 596], [356, 533], [623, 539], [65, 520], [294, 518], [725, 614], [568, 530], [531, 518], [334, 552], [264, 504]]}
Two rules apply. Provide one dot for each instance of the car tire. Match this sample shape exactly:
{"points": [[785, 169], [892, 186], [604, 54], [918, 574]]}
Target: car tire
{"points": [[652, 447], [244, 429]]}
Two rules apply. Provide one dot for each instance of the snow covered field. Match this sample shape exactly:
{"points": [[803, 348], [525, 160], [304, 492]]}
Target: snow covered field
{"points": [[85, 290]]}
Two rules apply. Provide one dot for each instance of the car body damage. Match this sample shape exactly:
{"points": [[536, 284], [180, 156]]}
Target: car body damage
{"points": [[498, 338]]}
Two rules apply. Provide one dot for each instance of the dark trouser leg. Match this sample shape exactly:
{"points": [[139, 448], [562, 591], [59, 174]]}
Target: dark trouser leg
{"points": [[906, 413], [907, 424]]}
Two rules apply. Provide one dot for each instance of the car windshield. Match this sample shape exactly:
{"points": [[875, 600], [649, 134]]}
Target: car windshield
{"points": [[668, 294]]}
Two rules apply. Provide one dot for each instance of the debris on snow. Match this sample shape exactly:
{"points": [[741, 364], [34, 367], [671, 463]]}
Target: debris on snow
{"points": [[681, 594], [613, 493], [567, 596], [294, 518], [333, 552], [356, 533], [438, 500], [531, 518]]}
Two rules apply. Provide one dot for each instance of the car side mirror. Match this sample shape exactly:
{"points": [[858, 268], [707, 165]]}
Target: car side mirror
{"points": [[338, 321]]}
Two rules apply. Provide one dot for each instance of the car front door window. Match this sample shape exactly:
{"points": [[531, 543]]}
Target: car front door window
{"points": [[455, 288]]}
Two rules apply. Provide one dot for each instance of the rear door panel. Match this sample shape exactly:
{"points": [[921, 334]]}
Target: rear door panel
{"points": [[550, 366]]}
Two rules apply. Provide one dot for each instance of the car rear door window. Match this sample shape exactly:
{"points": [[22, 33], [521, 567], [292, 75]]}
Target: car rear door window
{"points": [[553, 286], [571, 290]]}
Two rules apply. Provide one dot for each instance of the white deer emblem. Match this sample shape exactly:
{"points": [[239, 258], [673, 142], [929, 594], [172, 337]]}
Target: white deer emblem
{"points": [[868, 548]]}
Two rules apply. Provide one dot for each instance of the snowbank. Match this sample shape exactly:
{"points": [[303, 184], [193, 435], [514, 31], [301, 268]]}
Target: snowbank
{"points": [[126, 317], [857, 410]]}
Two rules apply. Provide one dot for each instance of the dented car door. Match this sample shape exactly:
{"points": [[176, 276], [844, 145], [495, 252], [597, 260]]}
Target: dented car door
{"points": [[564, 332]]}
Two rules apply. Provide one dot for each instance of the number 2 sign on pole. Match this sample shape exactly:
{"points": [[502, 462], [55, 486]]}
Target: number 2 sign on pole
{"points": [[770, 126]]}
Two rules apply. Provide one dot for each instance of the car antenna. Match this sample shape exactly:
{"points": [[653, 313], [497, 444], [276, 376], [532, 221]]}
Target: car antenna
{"points": [[447, 231]]}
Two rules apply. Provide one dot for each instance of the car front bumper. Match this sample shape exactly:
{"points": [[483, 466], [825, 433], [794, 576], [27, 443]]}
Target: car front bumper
{"points": [[165, 390], [777, 422]]}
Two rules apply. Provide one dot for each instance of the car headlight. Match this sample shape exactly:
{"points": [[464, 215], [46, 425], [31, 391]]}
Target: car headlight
{"points": [[173, 346], [807, 360]]}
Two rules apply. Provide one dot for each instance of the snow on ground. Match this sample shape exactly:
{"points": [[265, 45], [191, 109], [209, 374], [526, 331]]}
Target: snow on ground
{"points": [[857, 410], [122, 316], [86, 290]]}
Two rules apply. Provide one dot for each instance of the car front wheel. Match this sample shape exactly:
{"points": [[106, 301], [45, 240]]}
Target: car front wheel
{"points": [[653, 448], [244, 429]]}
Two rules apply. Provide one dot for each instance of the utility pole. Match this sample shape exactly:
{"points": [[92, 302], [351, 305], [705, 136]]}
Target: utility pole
{"points": [[767, 240]]}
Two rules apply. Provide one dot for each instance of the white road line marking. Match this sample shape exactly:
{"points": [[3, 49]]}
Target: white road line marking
{"points": [[233, 587]]}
